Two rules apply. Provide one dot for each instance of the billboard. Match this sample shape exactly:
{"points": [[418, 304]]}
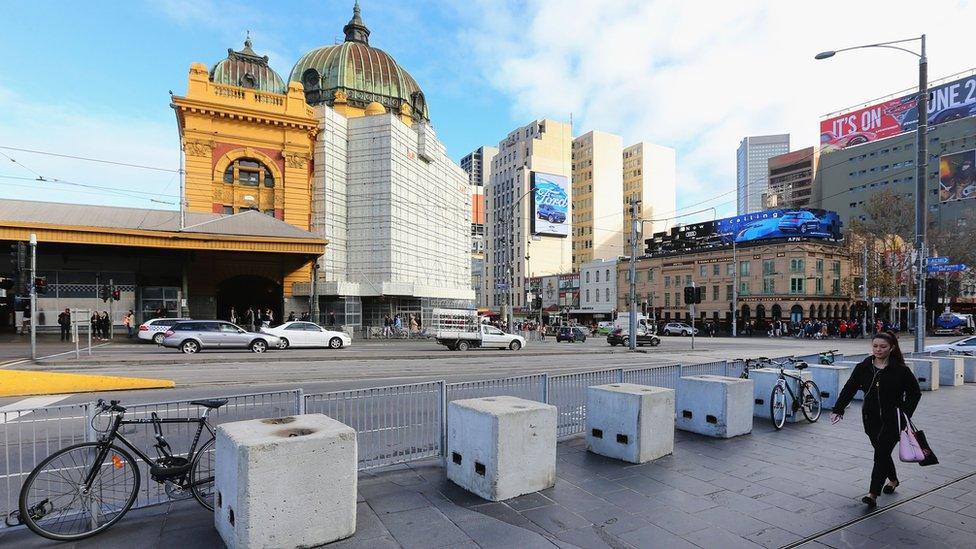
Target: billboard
{"points": [[550, 204], [948, 101], [957, 176], [801, 224]]}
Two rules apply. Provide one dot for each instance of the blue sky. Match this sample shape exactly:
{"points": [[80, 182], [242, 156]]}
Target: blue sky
{"points": [[92, 78]]}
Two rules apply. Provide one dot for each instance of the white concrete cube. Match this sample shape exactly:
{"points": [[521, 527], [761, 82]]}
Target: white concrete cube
{"points": [[630, 422], [859, 395], [969, 368], [716, 406], [951, 371], [765, 379], [926, 371], [285, 482], [501, 447], [830, 379]]}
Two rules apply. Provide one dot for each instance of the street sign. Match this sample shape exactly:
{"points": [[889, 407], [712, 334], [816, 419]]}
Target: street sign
{"points": [[947, 268], [501, 286], [938, 261]]}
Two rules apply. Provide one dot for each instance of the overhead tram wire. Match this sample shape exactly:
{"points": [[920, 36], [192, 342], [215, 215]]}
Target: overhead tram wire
{"points": [[88, 159]]}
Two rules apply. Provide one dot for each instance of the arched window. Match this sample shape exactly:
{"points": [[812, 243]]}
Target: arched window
{"points": [[777, 312], [760, 311], [248, 172], [796, 313]]}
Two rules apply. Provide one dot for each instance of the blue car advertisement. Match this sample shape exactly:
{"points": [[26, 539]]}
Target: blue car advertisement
{"points": [[779, 224], [550, 204]]}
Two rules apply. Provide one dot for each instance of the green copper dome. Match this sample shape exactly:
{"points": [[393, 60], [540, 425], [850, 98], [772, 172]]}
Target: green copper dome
{"points": [[247, 69], [362, 73]]}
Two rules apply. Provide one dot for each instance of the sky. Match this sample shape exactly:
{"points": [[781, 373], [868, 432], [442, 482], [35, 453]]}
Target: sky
{"points": [[92, 79]]}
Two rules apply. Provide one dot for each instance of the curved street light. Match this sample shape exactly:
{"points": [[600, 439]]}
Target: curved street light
{"points": [[921, 169]]}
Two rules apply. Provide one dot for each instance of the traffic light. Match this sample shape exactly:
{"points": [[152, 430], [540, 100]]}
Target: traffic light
{"points": [[103, 293], [699, 294], [18, 256], [116, 293], [538, 302], [692, 295], [40, 285]]}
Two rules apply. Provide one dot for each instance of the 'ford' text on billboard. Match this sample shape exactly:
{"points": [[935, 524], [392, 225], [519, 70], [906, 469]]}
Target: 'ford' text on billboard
{"points": [[550, 204], [949, 101]]}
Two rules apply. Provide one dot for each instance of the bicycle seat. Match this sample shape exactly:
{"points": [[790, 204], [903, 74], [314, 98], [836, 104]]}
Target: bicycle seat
{"points": [[212, 404], [800, 365]]}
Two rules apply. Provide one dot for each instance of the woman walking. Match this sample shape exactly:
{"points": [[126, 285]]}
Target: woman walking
{"points": [[889, 388]]}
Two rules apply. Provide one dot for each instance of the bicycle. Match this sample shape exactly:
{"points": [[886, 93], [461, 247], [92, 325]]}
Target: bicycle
{"points": [[84, 489], [809, 403], [827, 357]]}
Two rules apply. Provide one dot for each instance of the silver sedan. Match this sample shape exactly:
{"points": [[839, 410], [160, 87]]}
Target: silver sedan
{"points": [[192, 336]]}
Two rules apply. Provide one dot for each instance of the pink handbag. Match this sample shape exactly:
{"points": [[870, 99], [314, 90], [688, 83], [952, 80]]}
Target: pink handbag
{"points": [[909, 450]]}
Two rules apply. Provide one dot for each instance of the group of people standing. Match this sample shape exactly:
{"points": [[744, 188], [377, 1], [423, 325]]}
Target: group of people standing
{"points": [[253, 318], [394, 325]]}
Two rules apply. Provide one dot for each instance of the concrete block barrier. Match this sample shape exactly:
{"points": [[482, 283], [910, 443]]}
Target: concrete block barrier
{"points": [[501, 447], [926, 372], [859, 395], [969, 368], [951, 371], [716, 406], [285, 482], [764, 380], [830, 379], [629, 422]]}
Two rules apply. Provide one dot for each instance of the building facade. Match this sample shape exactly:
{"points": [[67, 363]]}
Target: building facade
{"points": [[793, 281], [752, 169], [847, 177], [598, 288], [791, 177], [560, 298], [512, 252], [597, 195], [650, 177], [477, 164]]}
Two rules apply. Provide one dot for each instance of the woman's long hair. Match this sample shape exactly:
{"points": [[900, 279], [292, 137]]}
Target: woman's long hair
{"points": [[892, 340]]}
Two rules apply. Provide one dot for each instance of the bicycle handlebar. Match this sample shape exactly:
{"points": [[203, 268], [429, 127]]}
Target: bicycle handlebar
{"points": [[112, 406]]}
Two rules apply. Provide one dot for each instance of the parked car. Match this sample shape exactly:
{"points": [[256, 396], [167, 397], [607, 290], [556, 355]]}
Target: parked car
{"points": [[964, 345], [193, 336], [801, 222], [679, 328], [153, 329], [571, 334], [551, 214], [307, 334], [620, 336]]}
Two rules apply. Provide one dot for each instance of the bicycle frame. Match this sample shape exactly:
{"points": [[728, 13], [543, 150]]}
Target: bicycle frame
{"points": [[115, 435]]}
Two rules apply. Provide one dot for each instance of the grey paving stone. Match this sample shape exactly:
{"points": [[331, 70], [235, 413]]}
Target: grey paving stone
{"points": [[644, 485], [368, 525], [800, 524], [738, 502], [529, 501], [396, 502], [490, 533], [791, 503], [948, 535], [685, 501], [383, 542], [942, 502], [422, 528], [845, 539], [950, 519], [898, 537], [500, 511], [657, 537], [592, 537], [715, 538], [674, 520], [186, 538], [555, 518], [773, 537], [628, 499], [571, 497], [733, 521], [599, 486], [613, 519]]}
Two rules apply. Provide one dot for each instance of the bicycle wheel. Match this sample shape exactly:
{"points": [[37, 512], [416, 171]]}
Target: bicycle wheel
{"points": [[53, 503], [202, 469], [777, 407], [810, 401]]}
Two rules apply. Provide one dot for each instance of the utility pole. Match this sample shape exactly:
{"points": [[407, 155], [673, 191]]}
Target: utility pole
{"points": [[735, 289], [634, 224], [111, 312], [33, 296], [692, 306], [864, 290], [921, 192]]}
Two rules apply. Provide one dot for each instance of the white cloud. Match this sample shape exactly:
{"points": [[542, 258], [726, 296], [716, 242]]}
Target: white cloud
{"points": [[700, 76]]}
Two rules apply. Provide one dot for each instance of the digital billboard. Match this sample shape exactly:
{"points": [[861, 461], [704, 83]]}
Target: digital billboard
{"points": [[957, 176], [948, 101], [550, 204], [767, 225]]}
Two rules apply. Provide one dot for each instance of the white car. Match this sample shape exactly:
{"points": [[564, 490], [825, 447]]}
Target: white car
{"points": [[964, 345], [308, 334], [152, 330], [679, 328]]}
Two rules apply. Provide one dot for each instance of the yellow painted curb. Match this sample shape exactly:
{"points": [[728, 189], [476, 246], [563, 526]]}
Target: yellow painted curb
{"points": [[23, 383]]}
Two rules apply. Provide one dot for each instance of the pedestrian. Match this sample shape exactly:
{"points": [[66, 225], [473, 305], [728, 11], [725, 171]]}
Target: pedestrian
{"points": [[233, 316], [64, 321], [332, 319], [291, 316], [890, 388], [387, 325], [413, 325], [105, 323], [249, 319], [94, 328], [127, 321], [268, 318]]}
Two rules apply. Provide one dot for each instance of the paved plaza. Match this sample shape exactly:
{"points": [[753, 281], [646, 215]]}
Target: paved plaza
{"points": [[766, 489]]}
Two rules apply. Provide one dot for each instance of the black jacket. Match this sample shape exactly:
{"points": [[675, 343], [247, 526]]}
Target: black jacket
{"points": [[885, 391]]}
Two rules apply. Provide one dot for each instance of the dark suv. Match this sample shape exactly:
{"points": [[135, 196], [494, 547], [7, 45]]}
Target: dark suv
{"points": [[620, 336], [571, 334]]}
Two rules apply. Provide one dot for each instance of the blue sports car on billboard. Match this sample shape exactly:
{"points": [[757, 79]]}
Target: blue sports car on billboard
{"points": [[779, 224], [551, 214], [801, 222]]}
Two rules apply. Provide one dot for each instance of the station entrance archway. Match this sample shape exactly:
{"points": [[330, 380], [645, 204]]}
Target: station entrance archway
{"points": [[244, 291]]}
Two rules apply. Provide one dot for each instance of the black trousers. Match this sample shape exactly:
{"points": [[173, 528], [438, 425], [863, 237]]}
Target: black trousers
{"points": [[65, 332], [884, 466]]}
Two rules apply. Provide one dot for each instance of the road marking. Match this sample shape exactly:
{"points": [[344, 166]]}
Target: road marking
{"points": [[23, 360], [28, 404]]}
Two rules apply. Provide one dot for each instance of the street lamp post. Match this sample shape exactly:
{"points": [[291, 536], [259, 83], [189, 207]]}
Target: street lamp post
{"points": [[509, 313], [921, 175]]}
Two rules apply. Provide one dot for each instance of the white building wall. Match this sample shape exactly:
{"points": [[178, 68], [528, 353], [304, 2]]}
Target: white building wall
{"points": [[659, 187], [598, 286], [329, 200]]}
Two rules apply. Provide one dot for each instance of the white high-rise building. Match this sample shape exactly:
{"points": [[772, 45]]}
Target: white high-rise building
{"points": [[597, 193], [752, 169]]}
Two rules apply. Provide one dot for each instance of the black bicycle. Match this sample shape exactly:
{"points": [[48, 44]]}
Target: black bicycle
{"points": [[84, 489], [807, 402]]}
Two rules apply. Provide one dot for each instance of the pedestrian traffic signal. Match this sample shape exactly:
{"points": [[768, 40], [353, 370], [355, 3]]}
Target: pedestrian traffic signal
{"points": [[40, 285], [693, 295], [116, 293], [18, 256], [103, 293]]}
